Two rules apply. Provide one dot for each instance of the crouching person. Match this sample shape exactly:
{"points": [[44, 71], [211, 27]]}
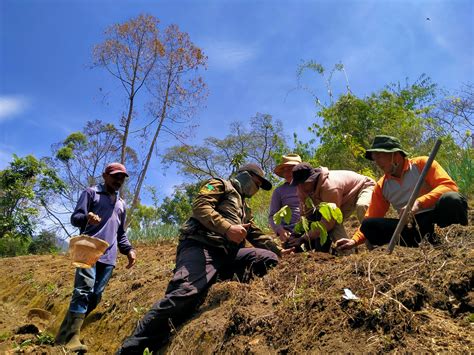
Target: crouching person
{"points": [[349, 191], [285, 195], [438, 201], [100, 213], [211, 246]]}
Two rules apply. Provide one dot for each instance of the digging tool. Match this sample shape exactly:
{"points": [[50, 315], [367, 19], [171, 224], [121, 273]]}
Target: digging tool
{"points": [[404, 217]]}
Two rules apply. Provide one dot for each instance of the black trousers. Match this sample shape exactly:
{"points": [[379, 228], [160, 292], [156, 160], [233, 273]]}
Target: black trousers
{"points": [[197, 268], [451, 208]]}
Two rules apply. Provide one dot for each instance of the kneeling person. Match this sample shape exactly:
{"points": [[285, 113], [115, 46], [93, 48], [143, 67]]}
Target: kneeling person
{"points": [[211, 246]]}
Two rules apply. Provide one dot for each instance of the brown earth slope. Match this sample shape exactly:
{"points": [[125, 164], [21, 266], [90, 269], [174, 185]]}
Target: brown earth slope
{"points": [[413, 300]]}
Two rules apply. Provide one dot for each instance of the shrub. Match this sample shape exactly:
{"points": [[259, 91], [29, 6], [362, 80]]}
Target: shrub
{"points": [[11, 246], [461, 170], [44, 243]]}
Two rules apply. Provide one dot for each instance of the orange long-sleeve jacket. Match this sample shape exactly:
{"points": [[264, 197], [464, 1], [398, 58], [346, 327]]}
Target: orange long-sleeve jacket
{"points": [[394, 191]]}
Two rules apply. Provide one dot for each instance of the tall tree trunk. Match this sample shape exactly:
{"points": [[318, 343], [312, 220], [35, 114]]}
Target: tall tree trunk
{"points": [[126, 130], [141, 178]]}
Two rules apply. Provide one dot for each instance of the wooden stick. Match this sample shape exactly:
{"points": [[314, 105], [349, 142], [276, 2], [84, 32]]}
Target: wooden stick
{"points": [[403, 219]]}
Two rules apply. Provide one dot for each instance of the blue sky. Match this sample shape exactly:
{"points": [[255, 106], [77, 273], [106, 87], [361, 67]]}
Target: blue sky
{"points": [[47, 89]]}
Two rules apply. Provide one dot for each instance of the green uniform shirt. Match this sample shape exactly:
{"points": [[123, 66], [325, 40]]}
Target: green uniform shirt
{"points": [[218, 206]]}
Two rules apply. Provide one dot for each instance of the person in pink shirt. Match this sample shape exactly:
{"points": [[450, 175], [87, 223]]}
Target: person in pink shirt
{"points": [[349, 191]]}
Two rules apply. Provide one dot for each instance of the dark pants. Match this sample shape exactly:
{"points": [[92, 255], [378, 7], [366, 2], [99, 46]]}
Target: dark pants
{"points": [[89, 284], [451, 208], [197, 268]]}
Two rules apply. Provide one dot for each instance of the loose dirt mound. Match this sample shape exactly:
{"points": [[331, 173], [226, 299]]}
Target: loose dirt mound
{"points": [[413, 300]]}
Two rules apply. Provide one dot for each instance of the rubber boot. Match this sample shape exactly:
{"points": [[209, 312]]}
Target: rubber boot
{"points": [[63, 332], [74, 344]]}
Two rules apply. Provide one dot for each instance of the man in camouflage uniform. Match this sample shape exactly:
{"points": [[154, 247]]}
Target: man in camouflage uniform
{"points": [[211, 246]]}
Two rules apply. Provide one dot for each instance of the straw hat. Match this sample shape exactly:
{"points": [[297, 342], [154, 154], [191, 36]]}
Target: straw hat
{"points": [[287, 160]]}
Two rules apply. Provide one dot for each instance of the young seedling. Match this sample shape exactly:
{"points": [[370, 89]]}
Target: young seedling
{"points": [[329, 211], [283, 213]]}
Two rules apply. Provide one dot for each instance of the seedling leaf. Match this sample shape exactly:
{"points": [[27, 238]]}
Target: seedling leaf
{"points": [[283, 213], [323, 234], [309, 203], [325, 211], [302, 226]]}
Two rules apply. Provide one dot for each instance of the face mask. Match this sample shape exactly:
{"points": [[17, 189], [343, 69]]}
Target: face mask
{"points": [[394, 166], [247, 185]]}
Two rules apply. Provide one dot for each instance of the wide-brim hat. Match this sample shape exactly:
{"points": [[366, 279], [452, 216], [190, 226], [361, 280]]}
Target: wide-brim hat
{"points": [[385, 144], [304, 172], [257, 171], [287, 160]]}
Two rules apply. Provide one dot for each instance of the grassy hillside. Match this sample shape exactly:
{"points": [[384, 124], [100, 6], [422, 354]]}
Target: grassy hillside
{"points": [[413, 300]]}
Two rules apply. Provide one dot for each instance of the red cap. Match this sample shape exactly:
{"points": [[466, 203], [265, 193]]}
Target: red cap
{"points": [[115, 168]]}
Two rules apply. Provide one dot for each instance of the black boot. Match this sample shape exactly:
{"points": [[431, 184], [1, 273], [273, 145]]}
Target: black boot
{"points": [[74, 344], [63, 332]]}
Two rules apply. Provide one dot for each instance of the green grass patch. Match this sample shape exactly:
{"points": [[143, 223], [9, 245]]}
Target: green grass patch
{"points": [[154, 233]]}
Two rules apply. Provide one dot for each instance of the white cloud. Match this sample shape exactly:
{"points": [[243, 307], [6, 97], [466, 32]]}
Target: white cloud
{"points": [[228, 55], [11, 106]]}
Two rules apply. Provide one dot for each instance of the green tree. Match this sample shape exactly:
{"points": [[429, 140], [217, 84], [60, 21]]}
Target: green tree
{"points": [[460, 165], [12, 246], [144, 217], [454, 112], [453, 118], [178, 208], [349, 123], [304, 149], [259, 205], [44, 243], [82, 156], [27, 185], [261, 142]]}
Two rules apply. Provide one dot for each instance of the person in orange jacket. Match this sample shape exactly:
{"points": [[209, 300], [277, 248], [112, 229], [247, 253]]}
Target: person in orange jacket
{"points": [[438, 202]]}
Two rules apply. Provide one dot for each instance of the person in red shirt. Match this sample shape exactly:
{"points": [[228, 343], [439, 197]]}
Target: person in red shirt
{"points": [[438, 202]]}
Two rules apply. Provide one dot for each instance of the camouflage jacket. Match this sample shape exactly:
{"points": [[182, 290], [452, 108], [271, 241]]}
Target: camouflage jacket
{"points": [[218, 206]]}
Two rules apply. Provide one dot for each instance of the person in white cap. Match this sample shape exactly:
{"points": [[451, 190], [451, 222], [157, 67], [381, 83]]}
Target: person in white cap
{"points": [[285, 195]]}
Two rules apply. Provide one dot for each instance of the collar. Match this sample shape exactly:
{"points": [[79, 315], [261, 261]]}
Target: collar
{"points": [[406, 166], [100, 188], [236, 184]]}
